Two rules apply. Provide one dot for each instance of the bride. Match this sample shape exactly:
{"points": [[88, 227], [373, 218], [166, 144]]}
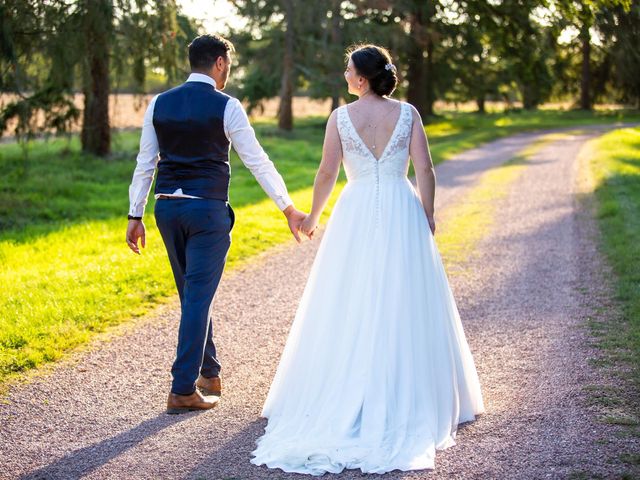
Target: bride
{"points": [[376, 373]]}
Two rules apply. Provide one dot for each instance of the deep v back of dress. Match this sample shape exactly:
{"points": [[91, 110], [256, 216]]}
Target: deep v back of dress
{"points": [[373, 125], [358, 159], [376, 373]]}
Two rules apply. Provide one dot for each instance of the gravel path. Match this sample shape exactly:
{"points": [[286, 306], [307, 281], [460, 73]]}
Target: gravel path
{"points": [[523, 300]]}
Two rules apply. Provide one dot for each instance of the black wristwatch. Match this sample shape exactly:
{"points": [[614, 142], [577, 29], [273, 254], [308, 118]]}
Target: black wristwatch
{"points": [[130, 217]]}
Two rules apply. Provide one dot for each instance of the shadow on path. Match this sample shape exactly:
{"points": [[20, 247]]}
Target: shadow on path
{"points": [[85, 460]]}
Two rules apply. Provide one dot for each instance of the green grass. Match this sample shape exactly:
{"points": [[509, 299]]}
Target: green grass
{"points": [[65, 271], [454, 131], [56, 185], [615, 163]]}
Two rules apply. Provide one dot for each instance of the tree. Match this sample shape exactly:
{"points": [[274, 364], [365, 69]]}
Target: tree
{"points": [[527, 47], [269, 47], [35, 67], [422, 37], [474, 60], [97, 19], [285, 111], [620, 28], [282, 47], [344, 25], [337, 37], [421, 28], [74, 42], [581, 14]]}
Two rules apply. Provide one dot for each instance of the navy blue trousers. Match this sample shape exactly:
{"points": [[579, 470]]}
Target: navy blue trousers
{"points": [[196, 233]]}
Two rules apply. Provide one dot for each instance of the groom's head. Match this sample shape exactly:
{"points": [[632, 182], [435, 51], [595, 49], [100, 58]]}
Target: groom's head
{"points": [[211, 55]]}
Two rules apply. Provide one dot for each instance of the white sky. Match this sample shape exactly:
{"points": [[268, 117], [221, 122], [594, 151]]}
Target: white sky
{"points": [[214, 14]]}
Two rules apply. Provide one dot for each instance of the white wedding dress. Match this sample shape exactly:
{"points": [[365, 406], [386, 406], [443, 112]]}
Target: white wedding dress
{"points": [[376, 373]]}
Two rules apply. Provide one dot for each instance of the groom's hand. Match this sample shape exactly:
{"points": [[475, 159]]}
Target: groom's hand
{"points": [[135, 232], [294, 218]]}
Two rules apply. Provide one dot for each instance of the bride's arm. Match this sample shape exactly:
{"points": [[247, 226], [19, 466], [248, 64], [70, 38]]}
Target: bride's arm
{"points": [[327, 174], [423, 166]]}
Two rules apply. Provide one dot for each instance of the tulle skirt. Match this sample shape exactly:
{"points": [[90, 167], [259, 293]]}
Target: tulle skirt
{"points": [[376, 373]]}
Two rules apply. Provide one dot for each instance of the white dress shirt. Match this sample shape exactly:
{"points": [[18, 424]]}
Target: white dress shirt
{"points": [[242, 137]]}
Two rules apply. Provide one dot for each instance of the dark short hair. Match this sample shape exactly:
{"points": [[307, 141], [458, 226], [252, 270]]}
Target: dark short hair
{"points": [[205, 50], [374, 64]]}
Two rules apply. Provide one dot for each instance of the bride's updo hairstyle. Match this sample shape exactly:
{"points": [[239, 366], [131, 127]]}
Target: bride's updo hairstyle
{"points": [[374, 64]]}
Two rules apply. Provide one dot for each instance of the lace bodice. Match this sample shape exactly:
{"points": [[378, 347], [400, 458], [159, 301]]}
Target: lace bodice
{"points": [[359, 162]]}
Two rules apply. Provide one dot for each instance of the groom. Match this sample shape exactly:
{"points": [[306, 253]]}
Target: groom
{"points": [[186, 134]]}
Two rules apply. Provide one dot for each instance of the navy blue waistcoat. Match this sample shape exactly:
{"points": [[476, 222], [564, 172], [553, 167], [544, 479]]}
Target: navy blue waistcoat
{"points": [[194, 151]]}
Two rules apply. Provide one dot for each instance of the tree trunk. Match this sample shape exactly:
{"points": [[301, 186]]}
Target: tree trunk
{"points": [[528, 97], [415, 68], [585, 80], [480, 103], [96, 132], [415, 80], [335, 102], [336, 43], [421, 88], [285, 110], [429, 76], [507, 100]]}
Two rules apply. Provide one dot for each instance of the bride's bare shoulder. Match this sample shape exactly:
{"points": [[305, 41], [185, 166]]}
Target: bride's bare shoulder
{"points": [[334, 115], [413, 109], [414, 112]]}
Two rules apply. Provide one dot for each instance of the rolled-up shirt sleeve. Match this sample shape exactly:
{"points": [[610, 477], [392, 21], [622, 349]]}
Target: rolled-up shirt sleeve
{"points": [[147, 160], [244, 141]]}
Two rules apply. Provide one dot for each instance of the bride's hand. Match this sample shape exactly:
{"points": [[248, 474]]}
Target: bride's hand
{"points": [[308, 226], [432, 225]]}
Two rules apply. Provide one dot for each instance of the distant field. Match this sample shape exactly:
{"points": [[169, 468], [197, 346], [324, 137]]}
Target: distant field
{"points": [[126, 110]]}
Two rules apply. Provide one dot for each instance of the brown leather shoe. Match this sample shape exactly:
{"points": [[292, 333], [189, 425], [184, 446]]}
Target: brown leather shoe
{"points": [[209, 386], [188, 403]]}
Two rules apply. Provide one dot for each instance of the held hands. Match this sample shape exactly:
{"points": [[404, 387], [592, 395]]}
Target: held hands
{"points": [[294, 219], [135, 232], [309, 225]]}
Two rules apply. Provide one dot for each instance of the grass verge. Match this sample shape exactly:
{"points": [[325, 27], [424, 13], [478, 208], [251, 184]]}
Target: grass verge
{"points": [[613, 161], [615, 164]]}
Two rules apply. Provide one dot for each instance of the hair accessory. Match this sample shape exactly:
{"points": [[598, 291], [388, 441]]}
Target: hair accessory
{"points": [[390, 66]]}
